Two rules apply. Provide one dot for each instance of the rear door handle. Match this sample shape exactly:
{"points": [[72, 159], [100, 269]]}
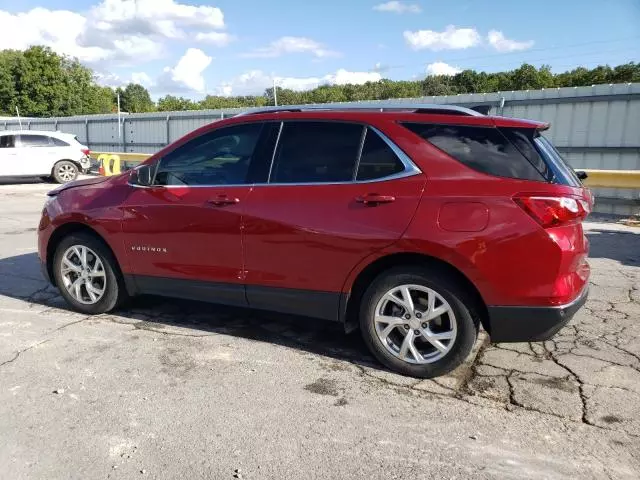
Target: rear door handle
{"points": [[373, 199], [222, 200]]}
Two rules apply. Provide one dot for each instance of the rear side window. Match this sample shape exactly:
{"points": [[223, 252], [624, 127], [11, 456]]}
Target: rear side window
{"points": [[484, 149], [35, 141], [316, 152], [7, 141], [59, 143], [378, 159]]}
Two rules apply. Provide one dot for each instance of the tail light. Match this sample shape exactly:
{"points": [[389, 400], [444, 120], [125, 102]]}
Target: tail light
{"points": [[86, 151], [554, 211]]}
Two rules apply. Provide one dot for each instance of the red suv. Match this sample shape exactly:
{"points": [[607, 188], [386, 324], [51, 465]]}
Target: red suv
{"points": [[416, 224]]}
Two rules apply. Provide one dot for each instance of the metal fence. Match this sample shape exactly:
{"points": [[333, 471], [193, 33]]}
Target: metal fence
{"points": [[594, 127]]}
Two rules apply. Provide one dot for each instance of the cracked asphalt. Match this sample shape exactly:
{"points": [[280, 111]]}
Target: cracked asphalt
{"points": [[173, 389]]}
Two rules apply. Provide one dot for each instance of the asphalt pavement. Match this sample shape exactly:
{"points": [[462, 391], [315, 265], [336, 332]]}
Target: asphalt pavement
{"points": [[172, 389]]}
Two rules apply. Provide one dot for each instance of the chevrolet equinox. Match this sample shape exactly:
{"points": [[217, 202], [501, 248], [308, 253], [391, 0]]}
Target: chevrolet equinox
{"points": [[415, 224]]}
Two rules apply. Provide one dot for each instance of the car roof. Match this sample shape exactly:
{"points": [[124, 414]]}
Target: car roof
{"points": [[48, 133], [439, 113]]}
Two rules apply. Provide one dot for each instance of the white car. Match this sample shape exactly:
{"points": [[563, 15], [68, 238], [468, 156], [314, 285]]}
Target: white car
{"points": [[31, 153]]}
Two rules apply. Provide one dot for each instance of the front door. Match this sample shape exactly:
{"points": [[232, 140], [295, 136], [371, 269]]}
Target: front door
{"points": [[182, 234], [337, 193]]}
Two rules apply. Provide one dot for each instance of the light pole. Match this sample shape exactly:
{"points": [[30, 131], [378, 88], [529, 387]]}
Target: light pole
{"points": [[275, 92]]}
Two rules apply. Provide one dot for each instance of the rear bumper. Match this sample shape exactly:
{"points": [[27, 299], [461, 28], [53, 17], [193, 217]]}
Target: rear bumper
{"points": [[531, 324]]}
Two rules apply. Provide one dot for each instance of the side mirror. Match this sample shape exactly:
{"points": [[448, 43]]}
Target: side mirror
{"points": [[142, 176], [582, 175]]}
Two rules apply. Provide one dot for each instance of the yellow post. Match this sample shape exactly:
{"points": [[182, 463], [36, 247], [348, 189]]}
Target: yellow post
{"points": [[110, 163]]}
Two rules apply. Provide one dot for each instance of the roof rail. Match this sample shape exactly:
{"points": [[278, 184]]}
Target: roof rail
{"points": [[416, 108]]}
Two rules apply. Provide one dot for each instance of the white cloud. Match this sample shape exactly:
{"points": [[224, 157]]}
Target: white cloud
{"points": [[112, 31], [186, 76], [285, 45], [502, 44], [256, 81], [451, 38], [219, 39], [441, 68], [142, 78], [398, 7]]}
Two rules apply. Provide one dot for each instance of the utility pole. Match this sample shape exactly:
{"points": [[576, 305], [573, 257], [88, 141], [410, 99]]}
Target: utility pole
{"points": [[275, 92], [18, 113], [119, 123]]}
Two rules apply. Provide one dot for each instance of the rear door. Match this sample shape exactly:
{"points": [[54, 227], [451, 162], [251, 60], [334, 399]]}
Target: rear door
{"points": [[337, 193], [183, 234], [37, 154]]}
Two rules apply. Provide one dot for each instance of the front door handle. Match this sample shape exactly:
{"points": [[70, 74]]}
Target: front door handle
{"points": [[222, 200], [373, 199]]}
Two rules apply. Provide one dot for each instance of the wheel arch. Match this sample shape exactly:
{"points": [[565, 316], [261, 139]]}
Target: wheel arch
{"points": [[75, 162], [350, 303], [67, 229]]}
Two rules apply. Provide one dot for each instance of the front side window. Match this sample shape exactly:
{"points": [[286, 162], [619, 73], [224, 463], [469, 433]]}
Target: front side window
{"points": [[316, 152], [7, 141], [221, 157], [35, 141]]}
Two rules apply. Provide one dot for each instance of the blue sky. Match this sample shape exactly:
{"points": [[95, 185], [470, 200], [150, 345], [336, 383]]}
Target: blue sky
{"points": [[195, 47]]}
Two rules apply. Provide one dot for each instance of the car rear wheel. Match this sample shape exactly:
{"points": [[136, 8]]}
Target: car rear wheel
{"points": [[417, 322], [65, 171], [87, 275]]}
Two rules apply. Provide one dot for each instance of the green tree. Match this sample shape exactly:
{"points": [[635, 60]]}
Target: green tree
{"points": [[134, 98], [170, 103]]}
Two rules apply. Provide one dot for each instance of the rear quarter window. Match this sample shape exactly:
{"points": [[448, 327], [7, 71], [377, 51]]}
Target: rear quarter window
{"points": [[59, 143], [484, 149]]}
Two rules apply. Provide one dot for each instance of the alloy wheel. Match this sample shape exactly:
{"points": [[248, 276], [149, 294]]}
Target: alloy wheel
{"points": [[415, 324], [83, 274], [66, 172]]}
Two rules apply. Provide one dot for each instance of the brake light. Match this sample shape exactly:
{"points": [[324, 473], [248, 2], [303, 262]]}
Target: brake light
{"points": [[554, 211], [86, 151]]}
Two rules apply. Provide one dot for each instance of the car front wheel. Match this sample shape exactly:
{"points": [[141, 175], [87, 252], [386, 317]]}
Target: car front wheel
{"points": [[417, 322], [65, 171], [87, 275]]}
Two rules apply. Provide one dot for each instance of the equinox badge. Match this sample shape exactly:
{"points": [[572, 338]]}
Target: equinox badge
{"points": [[144, 248]]}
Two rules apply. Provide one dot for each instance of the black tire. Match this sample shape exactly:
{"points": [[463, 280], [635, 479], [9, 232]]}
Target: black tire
{"points": [[66, 166], [115, 292], [445, 285]]}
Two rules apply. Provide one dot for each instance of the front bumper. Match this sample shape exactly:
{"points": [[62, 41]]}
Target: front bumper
{"points": [[45, 271], [531, 324]]}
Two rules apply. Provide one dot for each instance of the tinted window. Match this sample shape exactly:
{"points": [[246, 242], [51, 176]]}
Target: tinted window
{"points": [[34, 141], [377, 160], [7, 141], [483, 149], [316, 152], [59, 143], [221, 157], [563, 173]]}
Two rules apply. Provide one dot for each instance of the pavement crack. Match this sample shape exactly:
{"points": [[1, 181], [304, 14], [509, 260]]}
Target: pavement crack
{"points": [[20, 352]]}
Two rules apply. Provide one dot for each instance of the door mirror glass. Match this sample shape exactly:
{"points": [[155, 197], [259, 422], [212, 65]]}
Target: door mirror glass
{"points": [[142, 176]]}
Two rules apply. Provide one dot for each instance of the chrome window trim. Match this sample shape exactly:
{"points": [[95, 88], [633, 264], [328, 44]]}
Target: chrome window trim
{"points": [[363, 139], [275, 150], [410, 169]]}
